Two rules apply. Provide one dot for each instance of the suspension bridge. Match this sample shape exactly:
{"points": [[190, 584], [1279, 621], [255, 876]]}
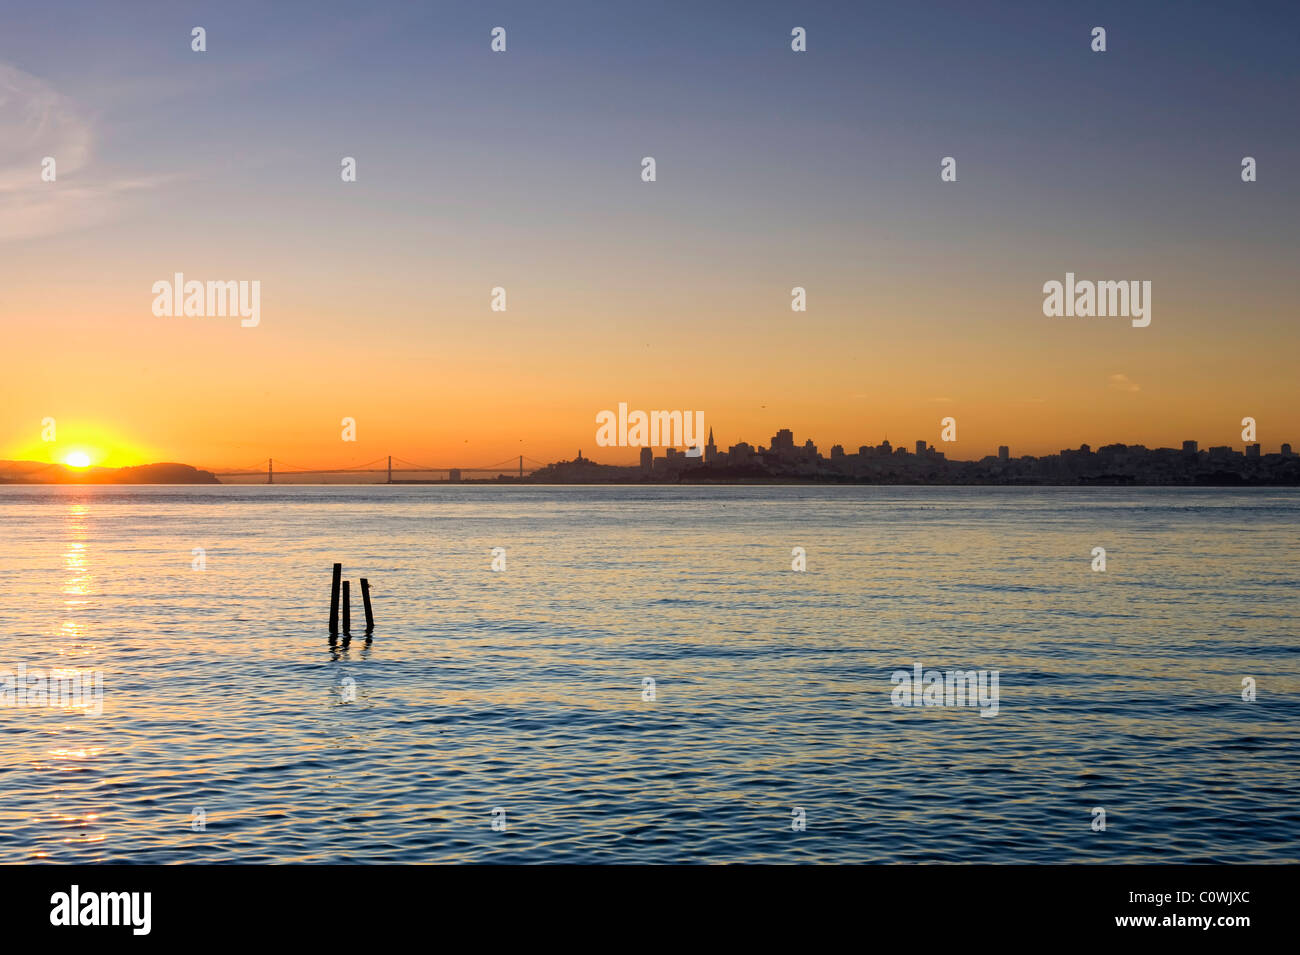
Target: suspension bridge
{"points": [[389, 466]]}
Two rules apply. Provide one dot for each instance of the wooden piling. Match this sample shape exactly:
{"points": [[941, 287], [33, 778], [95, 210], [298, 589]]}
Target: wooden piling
{"points": [[365, 600], [347, 606], [334, 599]]}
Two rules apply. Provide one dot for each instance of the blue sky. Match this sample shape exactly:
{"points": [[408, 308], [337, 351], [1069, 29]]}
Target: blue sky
{"points": [[774, 169]]}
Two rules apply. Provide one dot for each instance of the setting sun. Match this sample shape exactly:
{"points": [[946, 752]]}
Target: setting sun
{"points": [[77, 459]]}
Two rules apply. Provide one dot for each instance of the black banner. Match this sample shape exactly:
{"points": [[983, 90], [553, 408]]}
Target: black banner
{"points": [[334, 904]]}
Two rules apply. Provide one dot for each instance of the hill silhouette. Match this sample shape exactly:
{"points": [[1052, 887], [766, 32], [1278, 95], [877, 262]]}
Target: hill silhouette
{"points": [[37, 472]]}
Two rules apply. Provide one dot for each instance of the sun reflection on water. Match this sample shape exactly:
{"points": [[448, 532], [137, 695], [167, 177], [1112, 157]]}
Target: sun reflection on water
{"points": [[79, 581]]}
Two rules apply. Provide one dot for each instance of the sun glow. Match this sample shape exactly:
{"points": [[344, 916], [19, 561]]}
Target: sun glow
{"points": [[80, 444]]}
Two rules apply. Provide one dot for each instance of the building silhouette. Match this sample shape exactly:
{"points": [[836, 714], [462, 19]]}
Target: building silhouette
{"points": [[784, 461]]}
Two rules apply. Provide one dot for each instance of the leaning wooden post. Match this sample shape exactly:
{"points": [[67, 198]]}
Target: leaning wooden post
{"points": [[365, 600], [347, 607], [334, 599]]}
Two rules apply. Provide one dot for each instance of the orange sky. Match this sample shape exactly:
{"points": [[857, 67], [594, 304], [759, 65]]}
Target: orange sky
{"points": [[459, 385]]}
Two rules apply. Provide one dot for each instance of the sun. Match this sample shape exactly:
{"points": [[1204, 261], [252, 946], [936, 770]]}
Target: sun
{"points": [[77, 459]]}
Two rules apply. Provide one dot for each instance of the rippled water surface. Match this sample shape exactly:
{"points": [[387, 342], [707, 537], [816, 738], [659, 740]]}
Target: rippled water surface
{"points": [[523, 689]]}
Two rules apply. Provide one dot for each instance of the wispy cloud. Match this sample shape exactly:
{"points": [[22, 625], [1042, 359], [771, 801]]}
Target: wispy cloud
{"points": [[37, 121], [1120, 382]]}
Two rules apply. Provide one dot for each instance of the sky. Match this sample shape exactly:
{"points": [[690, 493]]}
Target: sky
{"points": [[522, 170]]}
